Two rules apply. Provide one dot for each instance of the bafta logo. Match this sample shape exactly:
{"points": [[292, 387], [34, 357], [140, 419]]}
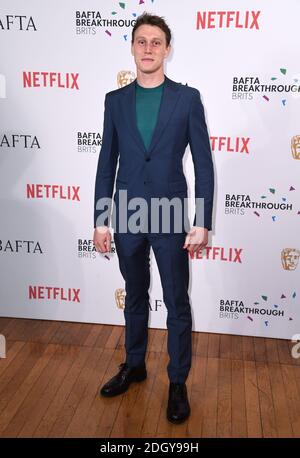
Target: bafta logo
{"points": [[295, 146], [125, 77], [290, 258], [120, 298]]}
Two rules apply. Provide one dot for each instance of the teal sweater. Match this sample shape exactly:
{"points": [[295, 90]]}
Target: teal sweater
{"points": [[147, 107]]}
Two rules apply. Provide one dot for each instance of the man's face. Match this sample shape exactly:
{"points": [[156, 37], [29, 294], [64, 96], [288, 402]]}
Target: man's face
{"points": [[149, 48]]}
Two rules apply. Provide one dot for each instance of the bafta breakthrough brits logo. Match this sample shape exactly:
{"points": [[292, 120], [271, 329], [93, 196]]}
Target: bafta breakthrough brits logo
{"points": [[90, 22], [280, 84]]}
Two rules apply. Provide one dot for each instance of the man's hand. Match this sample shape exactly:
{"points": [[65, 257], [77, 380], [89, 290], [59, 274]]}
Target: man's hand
{"points": [[102, 239], [196, 239]]}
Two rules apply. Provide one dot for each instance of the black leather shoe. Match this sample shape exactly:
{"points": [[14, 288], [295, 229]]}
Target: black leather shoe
{"points": [[178, 408], [120, 382]]}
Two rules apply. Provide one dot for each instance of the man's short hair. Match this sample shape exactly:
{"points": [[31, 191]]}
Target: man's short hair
{"points": [[152, 19]]}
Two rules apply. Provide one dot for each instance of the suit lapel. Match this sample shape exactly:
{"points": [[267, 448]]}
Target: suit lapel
{"points": [[168, 102]]}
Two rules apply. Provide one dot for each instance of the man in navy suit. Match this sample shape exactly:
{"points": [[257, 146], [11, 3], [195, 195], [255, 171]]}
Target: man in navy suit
{"points": [[147, 126]]}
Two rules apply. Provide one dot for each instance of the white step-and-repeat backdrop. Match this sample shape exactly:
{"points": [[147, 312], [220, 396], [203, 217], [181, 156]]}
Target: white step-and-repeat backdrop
{"points": [[57, 61]]}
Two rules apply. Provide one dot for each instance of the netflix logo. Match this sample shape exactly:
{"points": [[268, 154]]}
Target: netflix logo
{"points": [[215, 253], [230, 145], [51, 79], [52, 191], [227, 19], [54, 293]]}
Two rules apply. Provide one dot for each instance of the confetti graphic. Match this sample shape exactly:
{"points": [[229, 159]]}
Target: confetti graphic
{"points": [[283, 199], [283, 71], [122, 5], [280, 307]]}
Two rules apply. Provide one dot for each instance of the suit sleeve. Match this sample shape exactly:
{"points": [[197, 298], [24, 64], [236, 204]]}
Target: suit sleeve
{"points": [[203, 165], [107, 164]]}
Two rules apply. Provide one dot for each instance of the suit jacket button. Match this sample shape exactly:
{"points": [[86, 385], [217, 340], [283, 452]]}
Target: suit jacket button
{"points": [[147, 159]]}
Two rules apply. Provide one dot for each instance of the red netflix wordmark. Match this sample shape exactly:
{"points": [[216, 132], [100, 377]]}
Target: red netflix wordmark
{"points": [[54, 293], [52, 191], [50, 79], [218, 253], [226, 19], [238, 144]]}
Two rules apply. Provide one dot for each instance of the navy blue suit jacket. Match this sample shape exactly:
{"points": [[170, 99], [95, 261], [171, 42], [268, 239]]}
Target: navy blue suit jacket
{"points": [[158, 171]]}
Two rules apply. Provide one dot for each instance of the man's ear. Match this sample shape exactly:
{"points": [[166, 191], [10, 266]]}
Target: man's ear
{"points": [[168, 50]]}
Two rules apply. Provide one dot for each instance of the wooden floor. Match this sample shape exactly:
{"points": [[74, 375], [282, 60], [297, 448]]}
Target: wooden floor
{"points": [[50, 379]]}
